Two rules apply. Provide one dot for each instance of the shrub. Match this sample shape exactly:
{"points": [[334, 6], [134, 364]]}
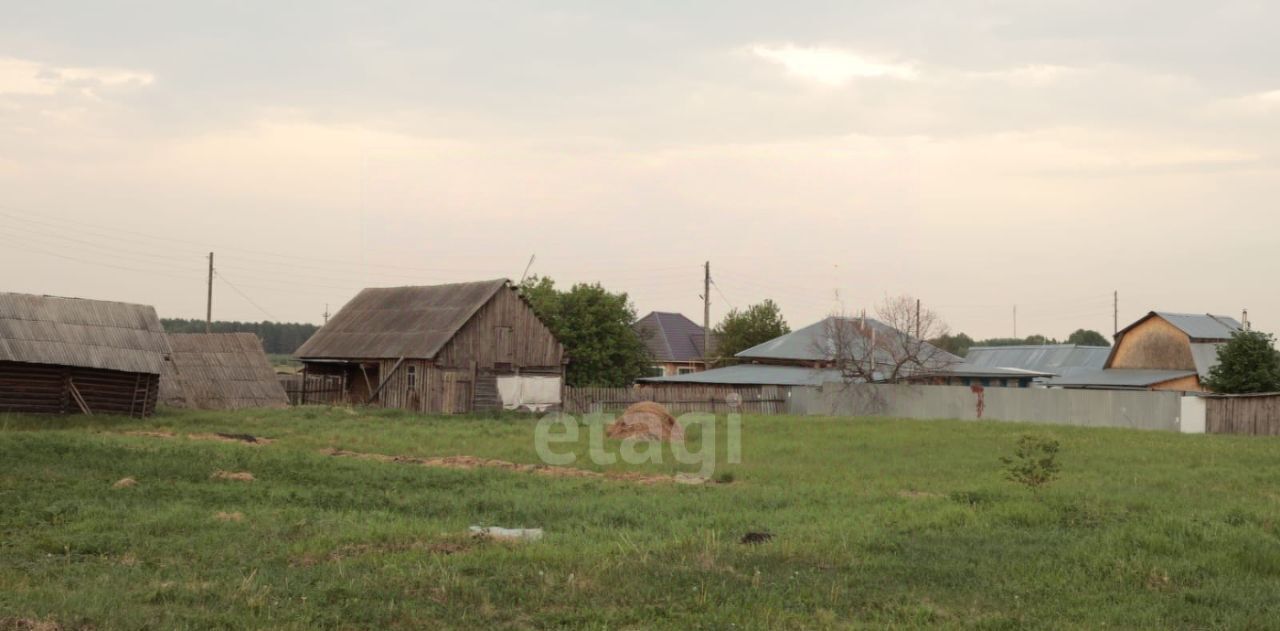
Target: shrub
{"points": [[1034, 464]]}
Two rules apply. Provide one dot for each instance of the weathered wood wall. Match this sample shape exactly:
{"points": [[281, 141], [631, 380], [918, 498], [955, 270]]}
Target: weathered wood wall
{"points": [[503, 335], [678, 398], [45, 389], [1154, 344], [1253, 415]]}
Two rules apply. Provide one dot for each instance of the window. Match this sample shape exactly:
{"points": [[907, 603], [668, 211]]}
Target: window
{"points": [[413, 376], [684, 370], [657, 370]]}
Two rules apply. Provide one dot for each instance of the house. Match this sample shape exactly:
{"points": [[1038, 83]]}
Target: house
{"points": [[804, 357], [1049, 360], [220, 371], [440, 349], [1161, 351], [675, 343], [68, 355]]}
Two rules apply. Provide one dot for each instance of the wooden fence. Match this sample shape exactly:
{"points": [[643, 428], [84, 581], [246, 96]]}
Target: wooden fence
{"points": [[316, 390], [1251, 414], [680, 398]]}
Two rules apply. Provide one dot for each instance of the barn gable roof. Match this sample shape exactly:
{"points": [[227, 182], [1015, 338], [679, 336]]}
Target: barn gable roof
{"points": [[393, 322], [220, 371], [81, 333]]}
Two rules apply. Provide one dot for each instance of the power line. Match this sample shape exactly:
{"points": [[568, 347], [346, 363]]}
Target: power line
{"points": [[223, 278]]}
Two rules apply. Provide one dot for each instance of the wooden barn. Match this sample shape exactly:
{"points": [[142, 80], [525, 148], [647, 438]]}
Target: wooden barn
{"points": [[440, 349], [67, 355], [220, 371]]}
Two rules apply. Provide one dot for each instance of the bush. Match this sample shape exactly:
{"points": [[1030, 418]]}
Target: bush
{"points": [[1034, 464]]}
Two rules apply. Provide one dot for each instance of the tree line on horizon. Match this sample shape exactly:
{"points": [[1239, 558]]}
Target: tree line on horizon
{"points": [[278, 338]]}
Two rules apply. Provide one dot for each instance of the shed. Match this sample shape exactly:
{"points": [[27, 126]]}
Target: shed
{"points": [[67, 355], [441, 349], [220, 371]]}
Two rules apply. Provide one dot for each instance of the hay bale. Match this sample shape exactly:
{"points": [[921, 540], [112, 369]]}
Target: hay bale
{"points": [[646, 420]]}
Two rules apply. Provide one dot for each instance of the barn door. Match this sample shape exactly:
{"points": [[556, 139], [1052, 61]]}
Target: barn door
{"points": [[504, 354]]}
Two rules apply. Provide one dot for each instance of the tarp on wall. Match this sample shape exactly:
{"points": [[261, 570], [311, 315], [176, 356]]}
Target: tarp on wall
{"points": [[529, 393]]}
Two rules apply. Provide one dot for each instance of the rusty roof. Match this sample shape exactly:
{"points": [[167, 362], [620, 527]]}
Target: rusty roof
{"points": [[393, 322], [81, 333]]}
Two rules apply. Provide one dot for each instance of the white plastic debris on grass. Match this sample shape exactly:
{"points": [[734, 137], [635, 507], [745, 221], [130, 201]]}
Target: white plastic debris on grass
{"points": [[508, 534]]}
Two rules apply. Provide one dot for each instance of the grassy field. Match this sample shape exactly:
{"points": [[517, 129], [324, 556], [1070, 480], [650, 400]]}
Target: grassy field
{"points": [[875, 522]]}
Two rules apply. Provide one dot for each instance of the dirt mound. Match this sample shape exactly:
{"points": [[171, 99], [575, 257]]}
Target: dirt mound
{"points": [[646, 420], [237, 476], [222, 516], [124, 483]]}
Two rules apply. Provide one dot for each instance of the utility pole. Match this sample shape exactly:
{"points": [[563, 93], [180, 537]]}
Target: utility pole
{"points": [[917, 318], [208, 310], [1115, 313], [706, 312], [1244, 320], [326, 313]]}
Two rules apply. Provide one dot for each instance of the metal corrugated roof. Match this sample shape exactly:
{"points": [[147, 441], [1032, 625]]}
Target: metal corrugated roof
{"points": [[1120, 378], [813, 342], [671, 337], [755, 375], [1202, 326], [970, 370], [1058, 359], [392, 322], [81, 333], [1206, 356]]}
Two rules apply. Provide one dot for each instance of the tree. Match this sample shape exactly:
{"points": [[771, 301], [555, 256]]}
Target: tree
{"points": [[1087, 337], [866, 351], [743, 329], [596, 328], [958, 344], [1247, 364]]}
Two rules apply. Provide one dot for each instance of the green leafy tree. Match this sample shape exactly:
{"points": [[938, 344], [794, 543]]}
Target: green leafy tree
{"points": [[958, 344], [1248, 364], [742, 329], [1087, 337], [595, 326]]}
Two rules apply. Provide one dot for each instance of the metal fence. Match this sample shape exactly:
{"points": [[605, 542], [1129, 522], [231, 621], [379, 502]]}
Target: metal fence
{"points": [[679, 399]]}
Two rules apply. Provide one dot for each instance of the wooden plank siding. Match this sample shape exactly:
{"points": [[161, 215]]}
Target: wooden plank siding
{"points": [[678, 398], [46, 389], [504, 335], [1252, 415]]}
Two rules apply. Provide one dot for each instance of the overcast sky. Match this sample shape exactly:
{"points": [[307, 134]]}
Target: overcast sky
{"points": [[825, 154]]}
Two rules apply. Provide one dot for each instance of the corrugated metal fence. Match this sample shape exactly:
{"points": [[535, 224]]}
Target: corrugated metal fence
{"points": [[680, 399], [1251, 414]]}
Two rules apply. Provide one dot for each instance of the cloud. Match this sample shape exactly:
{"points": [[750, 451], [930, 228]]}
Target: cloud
{"points": [[832, 66], [1259, 103], [31, 78], [1034, 75]]}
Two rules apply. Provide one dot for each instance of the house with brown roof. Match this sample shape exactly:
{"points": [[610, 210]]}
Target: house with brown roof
{"points": [[440, 349], [68, 355], [1161, 351], [675, 343]]}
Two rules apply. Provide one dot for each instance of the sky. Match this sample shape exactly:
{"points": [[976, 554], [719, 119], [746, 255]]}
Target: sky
{"points": [[979, 156]]}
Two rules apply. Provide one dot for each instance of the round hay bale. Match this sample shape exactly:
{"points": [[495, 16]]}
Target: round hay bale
{"points": [[646, 420]]}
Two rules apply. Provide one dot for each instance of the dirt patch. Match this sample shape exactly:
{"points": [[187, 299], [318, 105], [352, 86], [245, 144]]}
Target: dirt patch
{"points": [[472, 462], [236, 476], [229, 517], [152, 434], [756, 538], [28, 624], [242, 439], [646, 420], [124, 483], [918, 495]]}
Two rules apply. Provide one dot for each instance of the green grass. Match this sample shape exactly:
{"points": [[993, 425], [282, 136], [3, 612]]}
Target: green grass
{"points": [[876, 522]]}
